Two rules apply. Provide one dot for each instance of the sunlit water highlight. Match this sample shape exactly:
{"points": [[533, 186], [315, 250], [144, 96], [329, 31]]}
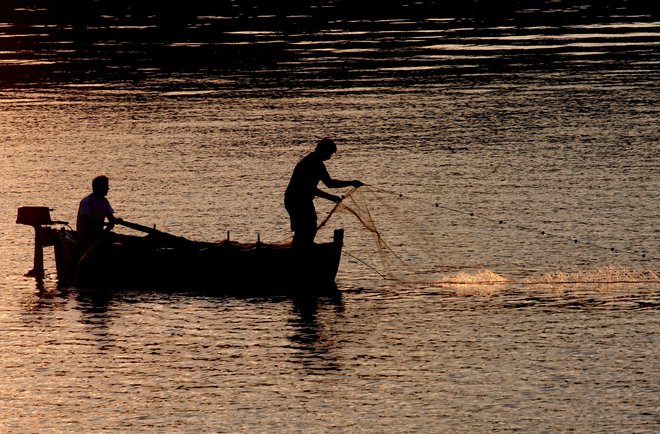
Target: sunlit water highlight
{"points": [[475, 326]]}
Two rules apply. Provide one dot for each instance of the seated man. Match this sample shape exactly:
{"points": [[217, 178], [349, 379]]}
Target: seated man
{"points": [[94, 209]]}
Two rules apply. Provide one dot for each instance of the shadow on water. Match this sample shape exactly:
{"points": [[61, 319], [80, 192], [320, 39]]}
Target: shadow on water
{"points": [[305, 304]]}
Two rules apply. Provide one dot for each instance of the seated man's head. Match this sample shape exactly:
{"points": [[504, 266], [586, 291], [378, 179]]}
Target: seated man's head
{"points": [[100, 186]]}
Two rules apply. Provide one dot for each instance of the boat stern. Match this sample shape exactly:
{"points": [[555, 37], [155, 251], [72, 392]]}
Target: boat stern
{"points": [[44, 234]]}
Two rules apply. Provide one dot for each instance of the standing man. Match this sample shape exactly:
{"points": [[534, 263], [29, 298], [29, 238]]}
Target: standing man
{"points": [[302, 189], [94, 209]]}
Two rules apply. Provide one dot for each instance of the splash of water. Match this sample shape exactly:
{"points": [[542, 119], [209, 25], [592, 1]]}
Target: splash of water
{"points": [[483, 282], [603, 278]]}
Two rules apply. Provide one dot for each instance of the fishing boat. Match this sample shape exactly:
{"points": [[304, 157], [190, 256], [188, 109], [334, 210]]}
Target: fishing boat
{"points": [[156, 259]]}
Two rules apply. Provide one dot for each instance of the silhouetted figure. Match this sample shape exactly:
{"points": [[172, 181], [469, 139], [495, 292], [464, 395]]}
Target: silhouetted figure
{"points": [[302, 189], [93, 211]]}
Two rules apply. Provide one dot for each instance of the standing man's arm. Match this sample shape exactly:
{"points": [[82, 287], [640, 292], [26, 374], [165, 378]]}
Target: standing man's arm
{"points": [[324, 195], [335, 183]]}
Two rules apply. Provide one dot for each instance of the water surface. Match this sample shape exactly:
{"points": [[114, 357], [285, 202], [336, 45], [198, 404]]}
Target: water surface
{"points": [[512, 173]]}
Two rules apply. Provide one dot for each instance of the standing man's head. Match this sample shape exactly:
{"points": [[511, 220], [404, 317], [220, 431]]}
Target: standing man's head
{"points": [[100, 186], [325, 148]]}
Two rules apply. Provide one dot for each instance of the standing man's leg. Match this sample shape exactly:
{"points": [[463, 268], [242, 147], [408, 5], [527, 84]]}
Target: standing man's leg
{"points": [[303, 223], [304, 235]]}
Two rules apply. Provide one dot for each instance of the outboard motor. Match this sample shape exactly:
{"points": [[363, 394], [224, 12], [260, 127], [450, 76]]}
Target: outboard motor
{"points": [[39, 218]]}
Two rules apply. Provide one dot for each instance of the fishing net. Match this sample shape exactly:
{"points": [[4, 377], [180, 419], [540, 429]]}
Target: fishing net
{"points": [[446, 247]]}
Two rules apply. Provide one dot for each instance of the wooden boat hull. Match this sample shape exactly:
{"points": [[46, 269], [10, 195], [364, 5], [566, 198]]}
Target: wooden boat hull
{"points": [[163, 261], [149, 262]]}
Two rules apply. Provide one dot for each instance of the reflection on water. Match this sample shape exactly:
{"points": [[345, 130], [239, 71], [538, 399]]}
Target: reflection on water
{"points": [[314, 332], [372, 360]]}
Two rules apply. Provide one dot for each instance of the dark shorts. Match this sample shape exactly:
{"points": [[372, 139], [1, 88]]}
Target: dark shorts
{"points": [[302, 215]]}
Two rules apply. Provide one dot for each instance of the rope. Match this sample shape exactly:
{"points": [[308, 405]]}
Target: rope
{"points": [[334, 208], [367, 265], [518, 226]]}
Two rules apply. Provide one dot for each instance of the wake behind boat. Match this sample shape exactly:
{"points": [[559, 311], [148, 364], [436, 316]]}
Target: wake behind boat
{"points": [[161, 260]]}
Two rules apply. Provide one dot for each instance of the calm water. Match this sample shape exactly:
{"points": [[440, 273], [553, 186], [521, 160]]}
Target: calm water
{"points": [[512, 171]]}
